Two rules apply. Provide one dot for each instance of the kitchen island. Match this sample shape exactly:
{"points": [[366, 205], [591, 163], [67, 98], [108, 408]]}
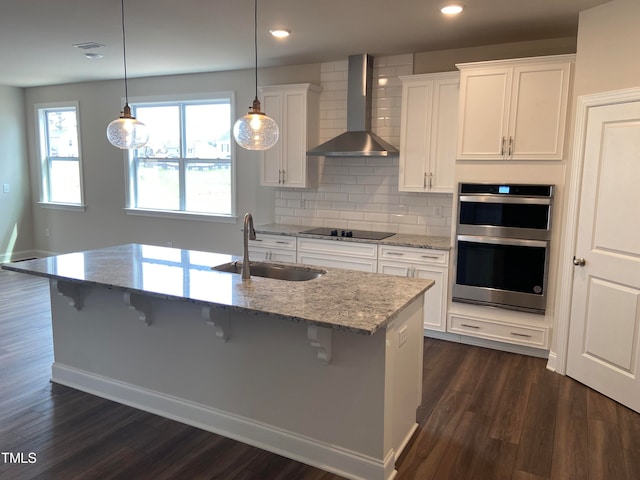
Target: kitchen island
{"points": [[326, 371]]}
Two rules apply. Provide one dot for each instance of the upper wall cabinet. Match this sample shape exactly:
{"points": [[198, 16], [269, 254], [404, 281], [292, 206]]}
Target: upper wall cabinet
{"points": [[296, 110], [429, 124], [514, 109]]}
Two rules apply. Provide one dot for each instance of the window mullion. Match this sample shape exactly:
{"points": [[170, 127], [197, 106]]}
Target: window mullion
{"points": [[182, 168]]}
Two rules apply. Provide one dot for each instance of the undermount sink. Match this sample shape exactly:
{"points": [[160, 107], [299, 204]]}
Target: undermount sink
{"points": [[290, 273]]}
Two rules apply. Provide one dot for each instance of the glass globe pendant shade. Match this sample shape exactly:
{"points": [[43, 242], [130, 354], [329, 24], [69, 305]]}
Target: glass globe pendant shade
{"points": [[127, 132], [255, 130]]}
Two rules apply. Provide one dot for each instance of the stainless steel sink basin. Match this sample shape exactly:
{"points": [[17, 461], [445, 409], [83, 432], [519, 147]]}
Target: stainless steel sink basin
{"points": [[290, 273]]}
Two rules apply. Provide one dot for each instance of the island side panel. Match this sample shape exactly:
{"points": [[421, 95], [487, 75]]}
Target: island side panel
{"points": [[266, 374], [404, 360]]}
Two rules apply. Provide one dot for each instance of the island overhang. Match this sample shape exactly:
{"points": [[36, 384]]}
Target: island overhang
{"points": [[327, 372]]}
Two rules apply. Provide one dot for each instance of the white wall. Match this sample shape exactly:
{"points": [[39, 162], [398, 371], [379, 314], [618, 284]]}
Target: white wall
{"points": [[606, 59], [15, 206], [104, 222]]}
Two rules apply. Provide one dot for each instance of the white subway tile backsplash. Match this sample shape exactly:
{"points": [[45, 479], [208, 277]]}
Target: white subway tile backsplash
{"points": [[362, 192]]}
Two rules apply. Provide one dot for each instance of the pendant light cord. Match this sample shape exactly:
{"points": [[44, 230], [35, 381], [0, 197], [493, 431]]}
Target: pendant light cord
{"points": [[124, 57], [255, 39]]}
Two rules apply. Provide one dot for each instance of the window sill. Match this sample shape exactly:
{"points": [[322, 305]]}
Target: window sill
{"points": [[71, 207], [181, 215]]}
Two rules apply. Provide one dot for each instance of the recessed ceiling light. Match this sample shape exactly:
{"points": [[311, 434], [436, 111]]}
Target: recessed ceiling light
{"points": [[452, 8], [93, 56], [280, 32]]}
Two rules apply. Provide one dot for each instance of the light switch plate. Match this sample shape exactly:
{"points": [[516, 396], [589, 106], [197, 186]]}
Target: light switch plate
{"points": [[5, 188]]}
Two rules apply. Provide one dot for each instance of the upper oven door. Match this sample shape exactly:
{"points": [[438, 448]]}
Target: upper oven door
{"points": [[504, 216]]}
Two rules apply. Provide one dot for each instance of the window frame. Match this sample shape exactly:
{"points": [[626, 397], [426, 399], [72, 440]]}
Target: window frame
{"points": [[130, 158], [44, 160]]}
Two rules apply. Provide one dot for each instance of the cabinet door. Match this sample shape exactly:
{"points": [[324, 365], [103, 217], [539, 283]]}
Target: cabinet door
{"points": [[415, 131], [483, 113], [435, 299], [538, 112], [293, 132], [444, 129], [394, 268], [270, 166]]}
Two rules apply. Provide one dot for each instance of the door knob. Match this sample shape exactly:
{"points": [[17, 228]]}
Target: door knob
{"points": [[579, 261]]}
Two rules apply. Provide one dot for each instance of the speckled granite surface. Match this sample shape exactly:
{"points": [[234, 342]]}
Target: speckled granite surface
{"points": [[342, 299], [399, 239]]}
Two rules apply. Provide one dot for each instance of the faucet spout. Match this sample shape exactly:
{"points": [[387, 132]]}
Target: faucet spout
{"points": [[248, 233]]}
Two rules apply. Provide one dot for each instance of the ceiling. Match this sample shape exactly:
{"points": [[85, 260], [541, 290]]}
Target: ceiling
{"points": [[186, 36]]}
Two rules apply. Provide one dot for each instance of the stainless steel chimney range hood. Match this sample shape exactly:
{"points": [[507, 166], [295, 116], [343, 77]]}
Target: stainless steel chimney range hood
{"points": [[358, 140]]}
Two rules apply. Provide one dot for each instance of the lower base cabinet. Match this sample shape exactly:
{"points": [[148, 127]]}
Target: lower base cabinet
{"points": [[274, 248], [421, 263], [337, 254]]}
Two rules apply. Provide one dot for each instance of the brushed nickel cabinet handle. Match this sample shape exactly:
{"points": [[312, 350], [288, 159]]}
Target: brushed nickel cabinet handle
{"points": [[466, 325], [515, 334]]}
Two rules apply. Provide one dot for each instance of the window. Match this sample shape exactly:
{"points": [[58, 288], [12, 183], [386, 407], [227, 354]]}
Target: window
{"points": [[187, 165], [60, 162]]}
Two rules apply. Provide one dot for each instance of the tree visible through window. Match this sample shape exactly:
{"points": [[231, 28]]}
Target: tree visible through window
{"points": [[60, 154], [186, 166]]}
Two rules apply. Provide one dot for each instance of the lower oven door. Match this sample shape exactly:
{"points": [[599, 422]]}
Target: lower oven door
{"points": [[503, 272]]}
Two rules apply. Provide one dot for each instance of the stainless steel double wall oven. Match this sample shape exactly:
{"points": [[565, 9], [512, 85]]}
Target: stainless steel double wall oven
{"points": [[502, 239]]}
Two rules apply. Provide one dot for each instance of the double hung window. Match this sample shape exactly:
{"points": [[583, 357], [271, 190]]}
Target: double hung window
{"points": [[60, 158], [187, 166]]}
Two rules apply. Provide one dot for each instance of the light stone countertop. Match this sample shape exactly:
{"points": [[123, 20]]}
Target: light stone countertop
{"points": [[347, 300], [398, 239]]}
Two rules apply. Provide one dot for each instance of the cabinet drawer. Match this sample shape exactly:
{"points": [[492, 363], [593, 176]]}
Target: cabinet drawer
{"points": [[501, 332], [274, 241], [413, 255], [338, 247]]}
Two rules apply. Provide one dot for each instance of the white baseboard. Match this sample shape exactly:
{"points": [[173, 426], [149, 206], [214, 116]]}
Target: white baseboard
{"points": [[16, 256], [553, 362], [327, 457]]}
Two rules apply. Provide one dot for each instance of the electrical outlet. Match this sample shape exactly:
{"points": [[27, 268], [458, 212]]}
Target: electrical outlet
{"points": [[5, 188], [402, 336], [46, 231], [437, 212], [169, 244]]}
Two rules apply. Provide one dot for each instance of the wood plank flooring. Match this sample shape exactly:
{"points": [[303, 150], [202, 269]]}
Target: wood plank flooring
{"points": [[485, 415]]}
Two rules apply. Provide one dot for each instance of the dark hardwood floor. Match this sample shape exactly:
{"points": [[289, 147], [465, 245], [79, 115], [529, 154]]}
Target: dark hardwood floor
{"points": [[485, 415]]}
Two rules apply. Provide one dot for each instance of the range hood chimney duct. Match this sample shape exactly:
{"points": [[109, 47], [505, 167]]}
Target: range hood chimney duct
{"points": [[358, 140]]}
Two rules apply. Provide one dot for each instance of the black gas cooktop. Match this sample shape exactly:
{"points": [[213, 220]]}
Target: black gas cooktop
{"points": [[340, 232]]}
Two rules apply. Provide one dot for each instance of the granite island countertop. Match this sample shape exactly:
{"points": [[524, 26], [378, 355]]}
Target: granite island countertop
{"points": [[359, 302], [397, 239]]}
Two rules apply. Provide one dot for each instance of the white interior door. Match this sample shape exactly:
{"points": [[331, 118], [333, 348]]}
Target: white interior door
{"points": [[604, 335]]}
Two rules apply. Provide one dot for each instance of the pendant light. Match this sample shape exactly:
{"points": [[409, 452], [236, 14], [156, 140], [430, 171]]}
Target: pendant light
{"points": [[126, 132], [255, 130]]}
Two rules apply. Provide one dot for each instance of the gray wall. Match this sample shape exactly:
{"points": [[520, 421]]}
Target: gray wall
{"points": [[105, 222], [15, 206]]}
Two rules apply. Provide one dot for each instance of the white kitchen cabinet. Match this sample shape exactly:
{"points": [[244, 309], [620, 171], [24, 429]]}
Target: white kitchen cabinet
{"points": [[275, 248], [296, 110], [338, 254], [421, 263], [514, 109], [429, 123], [536, 336]]}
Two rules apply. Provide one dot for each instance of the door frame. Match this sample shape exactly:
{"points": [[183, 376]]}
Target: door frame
{"points": [[558, 359]]}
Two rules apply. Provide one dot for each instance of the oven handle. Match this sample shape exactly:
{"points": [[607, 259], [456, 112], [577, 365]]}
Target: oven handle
{"points": [[505, 199], [518, 242]]}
